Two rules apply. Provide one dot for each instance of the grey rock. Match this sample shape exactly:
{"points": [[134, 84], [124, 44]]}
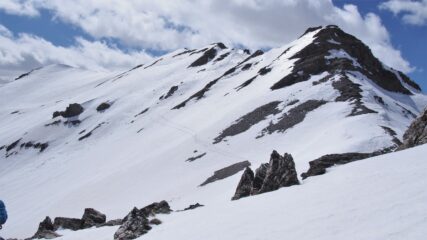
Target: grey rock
{"points": [[245, 185], [156, 208], [103, 106], [92, 218], [280, 173], [260, 174], [67, 223], [293, 117], [110, 223], [45, 230], [416, 134], [72, 110], [226, 172], [319, 166], [155, 221], [136, 223], [248, 120], [193, 206]]}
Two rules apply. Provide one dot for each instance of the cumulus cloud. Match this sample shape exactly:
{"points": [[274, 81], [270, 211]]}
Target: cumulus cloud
{"points": [[167, 25], [26, 51], [413, 12], [19, 7]]}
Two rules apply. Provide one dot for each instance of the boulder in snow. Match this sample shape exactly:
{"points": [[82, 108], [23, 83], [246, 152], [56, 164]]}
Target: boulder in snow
{"points": [[92, 218]]}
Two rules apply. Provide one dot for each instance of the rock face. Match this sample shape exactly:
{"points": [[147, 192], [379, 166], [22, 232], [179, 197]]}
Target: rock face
{"points": [[136, 223], [416, 133], [46, 230], [92, 218], [279, 172]]}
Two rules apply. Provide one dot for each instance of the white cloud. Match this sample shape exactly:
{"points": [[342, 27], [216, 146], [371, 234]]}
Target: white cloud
{"points": [[168, 25], [19, 7], [414, 12], [26, 51]]}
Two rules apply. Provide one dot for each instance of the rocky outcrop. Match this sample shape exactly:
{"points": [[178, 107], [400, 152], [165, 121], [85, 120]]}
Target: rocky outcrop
{"points": [[226, 172], [136, 223], [293, 117], [110, 223], [67, 223], [205, 58], [72, 110], [92, 218], [156, 208], [260, 174], [245, 184], [46, 230], [416, 134], [319, 166], [279, 172], [248, 120]]}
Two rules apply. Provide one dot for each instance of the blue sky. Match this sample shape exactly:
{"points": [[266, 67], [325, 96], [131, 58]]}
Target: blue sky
{"points": [[136, 31], [409, 39]]}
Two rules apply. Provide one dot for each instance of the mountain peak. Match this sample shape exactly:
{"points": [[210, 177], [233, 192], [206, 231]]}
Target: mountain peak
{"points": [[336, 51]]}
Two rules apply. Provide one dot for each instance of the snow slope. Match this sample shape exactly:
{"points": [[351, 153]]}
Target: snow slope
{"points": [[379, 198], [136, 156]]}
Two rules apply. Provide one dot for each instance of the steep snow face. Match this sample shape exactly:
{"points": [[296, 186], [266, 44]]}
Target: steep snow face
{"points": [[173, 122]]}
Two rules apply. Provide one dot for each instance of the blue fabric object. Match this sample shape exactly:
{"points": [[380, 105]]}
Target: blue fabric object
{"points": [[3, 213]]}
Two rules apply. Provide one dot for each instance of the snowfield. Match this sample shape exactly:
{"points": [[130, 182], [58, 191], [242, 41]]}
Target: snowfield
{"points": [[166, 112], [378, 198]]}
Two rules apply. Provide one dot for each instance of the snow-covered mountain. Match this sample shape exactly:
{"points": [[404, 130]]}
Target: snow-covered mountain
{"points": [[74, 138]]}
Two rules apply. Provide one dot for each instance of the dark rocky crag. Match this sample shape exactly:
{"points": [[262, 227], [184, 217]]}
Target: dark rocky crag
{"points": [[311, 61], [279, 172], [416, 134]]}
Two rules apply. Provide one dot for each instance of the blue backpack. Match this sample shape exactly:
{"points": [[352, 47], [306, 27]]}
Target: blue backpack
{"points": [[3, 213]]}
